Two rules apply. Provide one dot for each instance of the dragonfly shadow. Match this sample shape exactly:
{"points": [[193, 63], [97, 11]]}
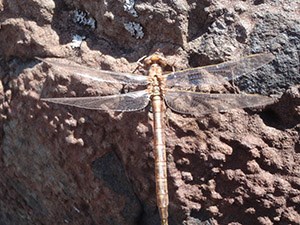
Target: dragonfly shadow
{"points": [[269, 116], [287, 108], [201, 217], [109, 169], [283, 114]]}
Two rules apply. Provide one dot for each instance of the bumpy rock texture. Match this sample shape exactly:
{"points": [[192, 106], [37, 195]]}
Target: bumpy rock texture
{"points": [[64, 165]]}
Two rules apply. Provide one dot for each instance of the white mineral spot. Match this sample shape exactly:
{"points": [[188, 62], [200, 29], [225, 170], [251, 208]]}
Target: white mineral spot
{"points": [[77, 41], [135, 29], [129, 7], [84, 19]]}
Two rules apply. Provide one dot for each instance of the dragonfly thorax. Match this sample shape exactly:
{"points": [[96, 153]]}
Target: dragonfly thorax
{"points": [[156, 80]]}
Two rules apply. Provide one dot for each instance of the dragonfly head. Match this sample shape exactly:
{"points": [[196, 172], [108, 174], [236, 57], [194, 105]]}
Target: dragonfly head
{"points": [[156, 58]]}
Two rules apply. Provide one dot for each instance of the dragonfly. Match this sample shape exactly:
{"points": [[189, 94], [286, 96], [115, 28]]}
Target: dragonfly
{"points": [[175, 90]]}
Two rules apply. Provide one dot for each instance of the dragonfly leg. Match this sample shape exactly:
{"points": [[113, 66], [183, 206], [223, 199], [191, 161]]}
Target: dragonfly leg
{"points": [[140, 64]]}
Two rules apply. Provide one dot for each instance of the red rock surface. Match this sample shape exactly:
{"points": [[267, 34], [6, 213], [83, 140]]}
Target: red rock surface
{"points": [[64, 165]]}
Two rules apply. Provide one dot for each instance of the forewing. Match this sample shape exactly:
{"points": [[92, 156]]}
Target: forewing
{"points": [[236, 68], [222, 72], [203, 103], [97, 75], [120, 103]]}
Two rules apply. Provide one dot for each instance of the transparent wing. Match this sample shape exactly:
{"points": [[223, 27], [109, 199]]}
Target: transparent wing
{"points": [[203, 103], [97, 75], [120, 103], [221, 72]]}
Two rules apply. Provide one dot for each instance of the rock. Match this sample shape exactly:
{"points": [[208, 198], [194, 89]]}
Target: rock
{"points": [[61, 164]]}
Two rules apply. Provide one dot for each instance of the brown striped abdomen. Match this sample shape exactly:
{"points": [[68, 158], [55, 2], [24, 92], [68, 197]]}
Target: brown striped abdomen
{"points": [[160, 160]]}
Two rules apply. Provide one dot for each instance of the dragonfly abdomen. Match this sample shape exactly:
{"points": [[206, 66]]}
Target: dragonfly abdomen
{"points": [[160, 160]]}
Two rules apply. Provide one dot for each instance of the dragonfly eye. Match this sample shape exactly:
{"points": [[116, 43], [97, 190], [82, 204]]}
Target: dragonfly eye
{"points": [[147, 61], [155, 58]]}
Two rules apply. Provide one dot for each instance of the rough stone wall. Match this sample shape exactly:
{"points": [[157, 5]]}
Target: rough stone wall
{"points": [[64, 165]]}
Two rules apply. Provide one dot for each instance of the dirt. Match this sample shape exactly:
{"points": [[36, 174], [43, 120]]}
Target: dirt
{"points": [[65, 165]]}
